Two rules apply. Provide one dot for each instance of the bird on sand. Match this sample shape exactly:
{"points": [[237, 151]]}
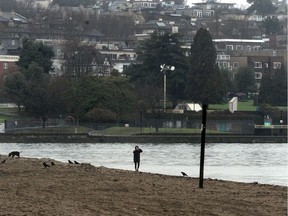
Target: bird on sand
{"points": [[3, 161], [45, 164], [76, 162], [184, 174], [52, 163], [70, 162]]}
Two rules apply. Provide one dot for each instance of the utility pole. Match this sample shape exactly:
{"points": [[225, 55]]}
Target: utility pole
{"points": [[164, 68], [202, 153]]}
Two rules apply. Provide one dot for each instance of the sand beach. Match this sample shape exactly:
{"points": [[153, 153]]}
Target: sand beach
{"points": [[28, 188]]}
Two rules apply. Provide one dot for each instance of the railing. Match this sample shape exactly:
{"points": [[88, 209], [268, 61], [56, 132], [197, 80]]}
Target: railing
{"points": [[151, 126], [271, 126]]}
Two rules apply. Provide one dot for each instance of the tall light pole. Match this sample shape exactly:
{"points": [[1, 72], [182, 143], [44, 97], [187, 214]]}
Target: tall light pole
{"points": [[164, 68]]}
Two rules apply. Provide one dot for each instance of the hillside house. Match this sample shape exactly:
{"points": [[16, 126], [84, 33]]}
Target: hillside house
{"points": [[120, 59], [141, 4], [264, 64], [13, 19], [7, 64]]}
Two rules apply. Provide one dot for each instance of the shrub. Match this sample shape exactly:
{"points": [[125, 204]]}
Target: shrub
{"points": [[100, 115]]}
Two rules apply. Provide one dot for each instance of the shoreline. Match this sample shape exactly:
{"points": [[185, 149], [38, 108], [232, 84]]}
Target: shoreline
{"points": [[70, 189], [86, 138]]}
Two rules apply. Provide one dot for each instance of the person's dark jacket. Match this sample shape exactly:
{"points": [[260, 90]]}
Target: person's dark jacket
{"points": [[137, 155]]}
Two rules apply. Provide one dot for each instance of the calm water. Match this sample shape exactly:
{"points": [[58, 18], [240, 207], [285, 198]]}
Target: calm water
{"points": [[264, 163]]}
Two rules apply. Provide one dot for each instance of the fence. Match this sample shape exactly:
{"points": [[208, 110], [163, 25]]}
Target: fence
{"points": [[150, 126]]}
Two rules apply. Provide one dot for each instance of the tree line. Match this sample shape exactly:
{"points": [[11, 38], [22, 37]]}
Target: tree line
{"points": [[85, 93]]}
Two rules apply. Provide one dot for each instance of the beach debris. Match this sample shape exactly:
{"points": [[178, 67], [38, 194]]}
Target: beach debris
{"points": [[52, 163], [3, 161], [76, 162], [70, 162], [184, 174], [45, 164]]}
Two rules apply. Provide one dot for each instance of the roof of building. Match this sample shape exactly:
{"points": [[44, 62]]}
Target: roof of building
{"points": [[241, 40], [8, 16]]}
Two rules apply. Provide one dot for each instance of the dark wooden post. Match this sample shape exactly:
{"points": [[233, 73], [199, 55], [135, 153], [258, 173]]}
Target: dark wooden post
{"points": [[202, 153]]}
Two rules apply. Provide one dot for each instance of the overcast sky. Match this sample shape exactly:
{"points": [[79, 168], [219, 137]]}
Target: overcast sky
{"points": [[239, 3]]}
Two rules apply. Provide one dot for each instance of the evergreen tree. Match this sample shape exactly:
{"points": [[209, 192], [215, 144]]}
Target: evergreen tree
{"points": [[36, 93], [263, 7], [30, 87], [38, 53], [14, 87], [228, 79], [204, 80], [245, 80], [266, 88], [153, 52], [279, 85], [272, 25], [273, 88]]}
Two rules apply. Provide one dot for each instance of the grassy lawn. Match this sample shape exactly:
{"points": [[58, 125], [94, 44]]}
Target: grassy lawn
{"points": [[4, 117], [242, 106], [8, 113], [145, 130], [51, 130]]}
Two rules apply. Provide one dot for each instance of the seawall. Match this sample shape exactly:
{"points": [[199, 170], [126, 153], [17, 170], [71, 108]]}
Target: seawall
{"points": [[86, 138]]}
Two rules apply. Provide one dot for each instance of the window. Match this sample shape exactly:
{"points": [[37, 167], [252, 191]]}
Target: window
{"points": [[276, 65], [249, 48], [258, 75], [223, 57], [239, 47], [199, 13], [235, 64], [256, 48], [259, 18], [113, 56], [209, 13], [58, 52], [266, 65], [125, 67], [5, 66], [223, 64], [257, 64], [229, 47]]}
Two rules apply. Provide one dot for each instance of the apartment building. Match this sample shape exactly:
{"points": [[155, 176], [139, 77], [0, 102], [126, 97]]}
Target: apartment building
{"points": [[7, 64], [264, 64]]}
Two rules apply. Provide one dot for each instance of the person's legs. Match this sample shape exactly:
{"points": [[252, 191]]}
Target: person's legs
{"points": [[136, 165]]}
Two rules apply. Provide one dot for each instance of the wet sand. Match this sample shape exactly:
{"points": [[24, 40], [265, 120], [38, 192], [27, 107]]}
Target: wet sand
{"points": [[28, 188]]}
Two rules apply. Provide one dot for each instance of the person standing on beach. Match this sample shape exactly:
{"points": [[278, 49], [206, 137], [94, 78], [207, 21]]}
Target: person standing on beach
{"points": [[136, 153]]}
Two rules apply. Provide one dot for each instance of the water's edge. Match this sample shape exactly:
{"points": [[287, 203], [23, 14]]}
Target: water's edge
{"points": [[265, 163], [86, 138]]}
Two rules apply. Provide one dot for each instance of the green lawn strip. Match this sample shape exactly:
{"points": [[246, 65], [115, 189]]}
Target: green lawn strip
{"points": [[59, 130], [145, 130], [242, 106], [246, 106], [9, 113], [4, 117]]}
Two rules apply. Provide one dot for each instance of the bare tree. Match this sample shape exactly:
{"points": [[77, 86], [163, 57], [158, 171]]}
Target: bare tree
{"points": [[82, 59]]}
